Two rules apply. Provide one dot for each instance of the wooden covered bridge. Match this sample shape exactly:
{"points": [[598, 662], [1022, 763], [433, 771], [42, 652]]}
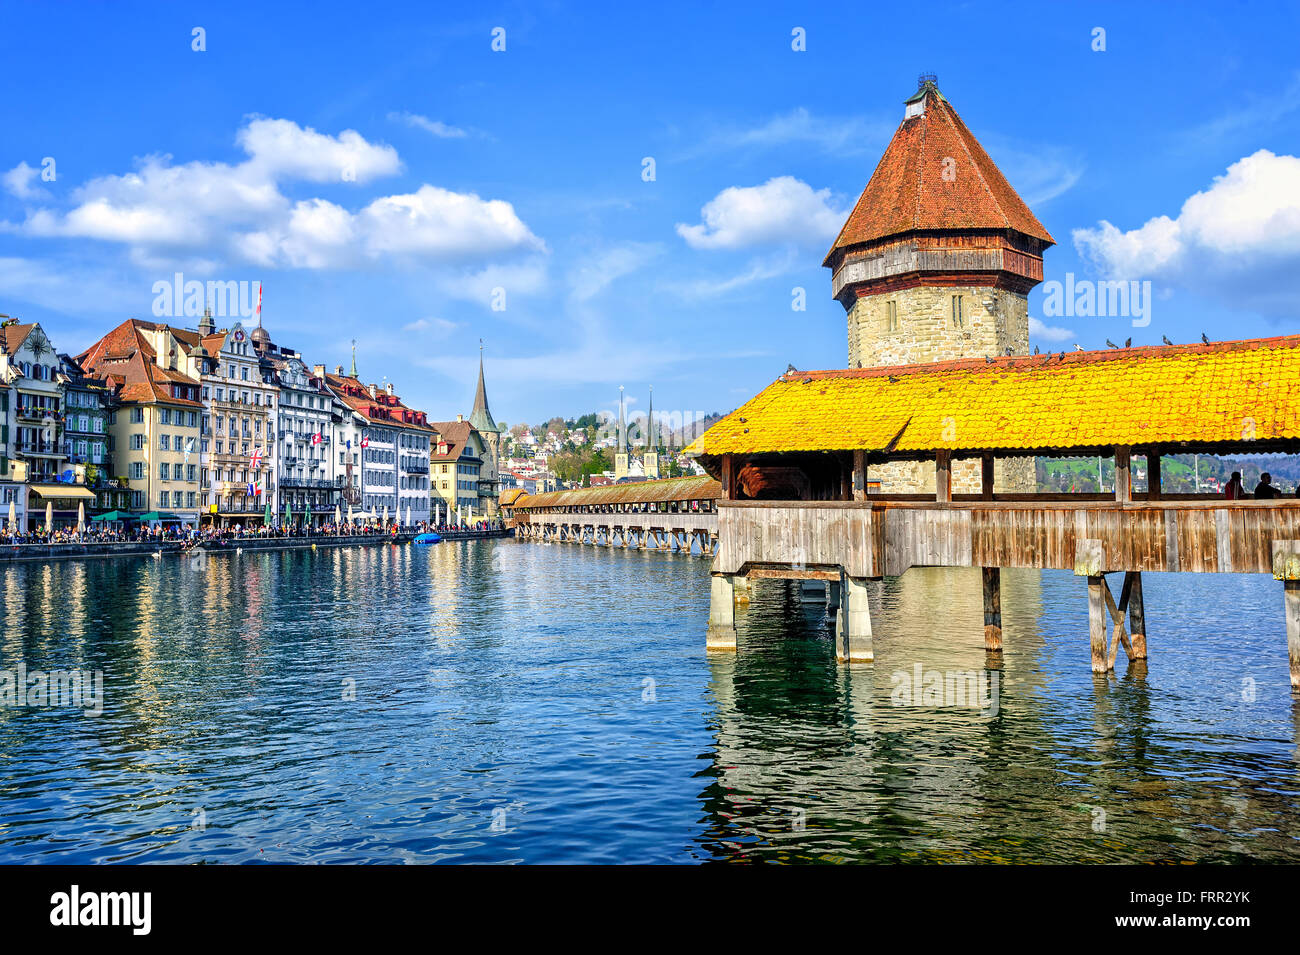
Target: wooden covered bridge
{"points": [[795, 463], [678, 514]]}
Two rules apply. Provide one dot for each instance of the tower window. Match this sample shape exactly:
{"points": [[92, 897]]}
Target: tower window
{"points": [[956, 312]]}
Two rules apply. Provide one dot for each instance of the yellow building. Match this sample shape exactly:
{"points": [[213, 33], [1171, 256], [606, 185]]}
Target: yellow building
{"points": [[154, 428]]}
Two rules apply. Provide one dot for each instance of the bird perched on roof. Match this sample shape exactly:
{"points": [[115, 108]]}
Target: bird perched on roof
{"points": [[1128, 342], [1008, 351], [988, 360], [1110, 344], [1165, 339], [790, 369], [1204, 339], [1035, 349], [893, 380], [1063, 355]]}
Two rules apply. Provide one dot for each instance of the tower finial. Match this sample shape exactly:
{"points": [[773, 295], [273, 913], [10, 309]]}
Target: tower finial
{"points": [[354, 358]]}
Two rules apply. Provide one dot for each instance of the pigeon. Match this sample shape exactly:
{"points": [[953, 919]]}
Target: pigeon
{"points": [[1110, 344], [1078, 347], [893, 380], [1008, 351], [1128, 343], [1165, 339], [1204, 339], [1062, 356], [790, 369], [988, 360], [1035, 349]]}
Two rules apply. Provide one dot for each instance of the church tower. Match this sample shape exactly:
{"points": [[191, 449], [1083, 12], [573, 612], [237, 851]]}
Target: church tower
{"points": [[935, 263], [482, 421], [621, 462]]}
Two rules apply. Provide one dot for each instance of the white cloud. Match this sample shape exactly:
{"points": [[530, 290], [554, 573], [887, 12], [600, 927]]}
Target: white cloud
{"points": [[220, 212], [1238, 240], [758, 270], [280, 148], [432, 126], [835, 135], [435, 326], [783, 209], [596, 272], [18, 181], [1048, 333]]}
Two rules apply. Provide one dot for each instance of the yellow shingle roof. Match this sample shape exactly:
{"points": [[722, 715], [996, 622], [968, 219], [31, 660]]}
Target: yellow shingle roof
{"points": [[1223, 392]]}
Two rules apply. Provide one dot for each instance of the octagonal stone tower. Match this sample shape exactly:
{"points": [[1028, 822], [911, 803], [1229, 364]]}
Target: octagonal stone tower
{"points": [[935, 263]]}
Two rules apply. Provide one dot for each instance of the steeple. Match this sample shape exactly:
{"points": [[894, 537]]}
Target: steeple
{"points": [[652, 437], [621, 462], [206, 325], [481, 417], [354, 358]]}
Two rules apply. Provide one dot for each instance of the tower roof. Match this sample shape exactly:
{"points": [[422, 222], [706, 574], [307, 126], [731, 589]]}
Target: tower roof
{"points": [[935, 176], [481, 417]]}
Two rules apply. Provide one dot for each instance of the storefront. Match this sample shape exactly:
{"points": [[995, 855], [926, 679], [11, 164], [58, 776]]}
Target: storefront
{"points": [[62, 504]]}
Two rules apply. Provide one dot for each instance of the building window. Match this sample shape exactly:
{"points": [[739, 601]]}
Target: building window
{"points": [[957, 318]]}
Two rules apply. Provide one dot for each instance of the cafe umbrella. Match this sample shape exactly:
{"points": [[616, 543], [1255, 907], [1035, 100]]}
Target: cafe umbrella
{"points": [[81, 517]]}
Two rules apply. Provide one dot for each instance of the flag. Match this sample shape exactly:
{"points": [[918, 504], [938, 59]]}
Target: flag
{"points": [[254, 488], [189, 449], [255, 459], [258, 313], [365, 442], [317, 438]]}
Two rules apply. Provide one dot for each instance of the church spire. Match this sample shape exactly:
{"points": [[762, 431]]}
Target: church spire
{"points": [[354, 358], [481, 416]]}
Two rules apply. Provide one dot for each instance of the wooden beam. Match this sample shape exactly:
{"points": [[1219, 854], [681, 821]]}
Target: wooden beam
{"points": [[729, 477], [859, 475], [1123, 477], [1137, 615], [986, 475], [1097, 623], [943, 476], [992, 608]]}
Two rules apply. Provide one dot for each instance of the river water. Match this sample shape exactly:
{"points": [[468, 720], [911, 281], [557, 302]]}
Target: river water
{"points": [[500, 701]]}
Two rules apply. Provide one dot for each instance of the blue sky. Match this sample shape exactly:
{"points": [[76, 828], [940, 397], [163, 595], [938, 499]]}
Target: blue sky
{"points": [[381, 170]]}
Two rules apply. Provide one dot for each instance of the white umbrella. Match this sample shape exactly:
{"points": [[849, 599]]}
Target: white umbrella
{"points": [[338, 516], [349, 512], [13, 515], [385, 519], [408, 515], [49, 516], [81, 518]]}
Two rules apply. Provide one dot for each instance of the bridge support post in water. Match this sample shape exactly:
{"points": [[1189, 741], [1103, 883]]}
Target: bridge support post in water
{"points": [[992, 609], [744, 590], [1097, 622], [1286, 568], [1137, 614], [853, 625], [722, 613], [833, 599]]}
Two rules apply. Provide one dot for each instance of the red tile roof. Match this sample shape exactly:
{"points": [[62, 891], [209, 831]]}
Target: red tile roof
{"points": [[935, 176], [127, 361], [383, 409]]}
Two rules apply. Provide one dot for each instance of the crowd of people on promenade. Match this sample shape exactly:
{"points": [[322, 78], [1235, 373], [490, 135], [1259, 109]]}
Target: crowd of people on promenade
{"points": [[187, 534]]}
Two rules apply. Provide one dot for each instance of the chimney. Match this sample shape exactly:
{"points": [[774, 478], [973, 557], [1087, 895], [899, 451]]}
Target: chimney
{"points": [[389, 387], [374, 390], [460, 417], [338, 370], [318, 371]]}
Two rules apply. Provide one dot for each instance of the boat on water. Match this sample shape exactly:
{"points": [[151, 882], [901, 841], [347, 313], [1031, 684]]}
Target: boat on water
{"points": [[427, 538]]}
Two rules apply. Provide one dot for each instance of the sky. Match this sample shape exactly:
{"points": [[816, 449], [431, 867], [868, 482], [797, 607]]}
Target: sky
{"points": [[621, 197]]}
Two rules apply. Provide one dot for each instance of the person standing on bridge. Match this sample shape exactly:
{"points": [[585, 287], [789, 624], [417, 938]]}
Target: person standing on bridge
{"points": [[1265, 490], [1234, 491]]}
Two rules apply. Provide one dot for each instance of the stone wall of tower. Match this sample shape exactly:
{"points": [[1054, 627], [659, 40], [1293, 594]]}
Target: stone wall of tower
{"points": [[923, 330], [993, 320]]}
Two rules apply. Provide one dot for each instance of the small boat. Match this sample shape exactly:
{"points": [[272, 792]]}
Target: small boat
{"points": [[427, 539]]}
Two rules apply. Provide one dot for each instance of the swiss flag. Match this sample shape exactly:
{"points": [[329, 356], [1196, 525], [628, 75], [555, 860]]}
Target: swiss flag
{"points": [[316, 438], [365, 442]]}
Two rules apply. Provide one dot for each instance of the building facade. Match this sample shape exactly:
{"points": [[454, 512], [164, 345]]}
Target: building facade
{"points": [[456, 464], [934, 263], [154, 419]]}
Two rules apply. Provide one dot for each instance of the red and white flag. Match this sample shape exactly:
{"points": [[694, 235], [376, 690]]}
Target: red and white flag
{"points": [[365, 442], [258, 313], [317, 438], [255, 459]]}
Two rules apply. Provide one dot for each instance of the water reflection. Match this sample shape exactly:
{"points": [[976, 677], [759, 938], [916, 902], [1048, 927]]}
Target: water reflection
{"points": [[816, 762], [388, 704]]}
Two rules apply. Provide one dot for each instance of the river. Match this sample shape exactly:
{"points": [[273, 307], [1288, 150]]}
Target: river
{"points": [[498, 701]]}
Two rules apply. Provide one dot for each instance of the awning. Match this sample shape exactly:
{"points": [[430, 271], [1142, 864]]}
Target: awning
{"points": [[114, 516], [161, 517], [73, 491]]}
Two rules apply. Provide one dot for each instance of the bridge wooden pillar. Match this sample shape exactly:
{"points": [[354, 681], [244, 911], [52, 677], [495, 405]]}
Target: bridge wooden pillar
{"points": [[986, 476], [853, 624], [1123, 474], [722, 613], [943, 476], [1286, 568], [1131, 596], [992, 608]]}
